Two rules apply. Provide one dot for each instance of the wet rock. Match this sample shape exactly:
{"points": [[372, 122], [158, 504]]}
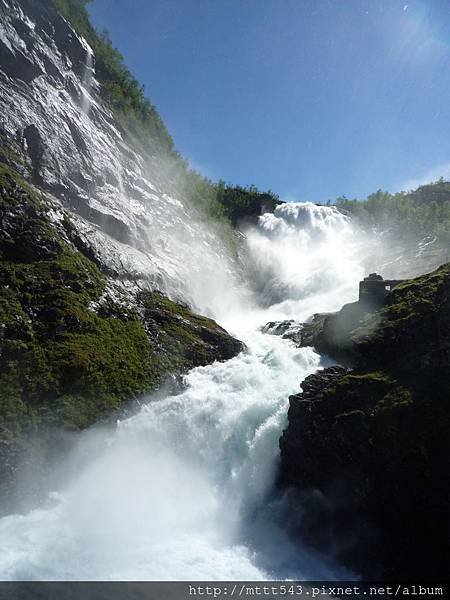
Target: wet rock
{"points": [[15, 63], [24, 235], [290, 329], [34, 147]]}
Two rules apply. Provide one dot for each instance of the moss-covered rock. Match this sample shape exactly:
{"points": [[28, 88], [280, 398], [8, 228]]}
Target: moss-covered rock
{"points": [[415, 320], [70, 351], [411, 333], [369, 459], [368, 449], [184, 339]]}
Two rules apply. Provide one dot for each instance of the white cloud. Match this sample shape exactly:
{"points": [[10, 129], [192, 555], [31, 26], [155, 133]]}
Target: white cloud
{"points": [[428, 177]]}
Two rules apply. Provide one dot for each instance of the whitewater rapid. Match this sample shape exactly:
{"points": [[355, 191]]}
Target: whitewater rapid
{"points": [[184, 489]]}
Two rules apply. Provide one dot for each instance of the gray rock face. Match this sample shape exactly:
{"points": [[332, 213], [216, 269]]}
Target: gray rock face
{"points": [[303, 334], [72, 146]]}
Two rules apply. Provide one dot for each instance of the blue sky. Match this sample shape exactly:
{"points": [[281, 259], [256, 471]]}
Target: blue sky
{"points": [[311, 98]]}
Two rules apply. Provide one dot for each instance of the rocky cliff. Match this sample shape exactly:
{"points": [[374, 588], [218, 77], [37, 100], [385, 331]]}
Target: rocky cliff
{"points": [[367, 447], [93, 243], [60, 130]]}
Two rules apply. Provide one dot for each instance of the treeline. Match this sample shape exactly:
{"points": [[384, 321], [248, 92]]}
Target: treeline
{"points": [[225, 204], [425, 211], [245, 204]]}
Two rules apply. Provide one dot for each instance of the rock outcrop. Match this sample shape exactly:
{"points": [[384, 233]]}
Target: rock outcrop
{"points": [[367, 447]]}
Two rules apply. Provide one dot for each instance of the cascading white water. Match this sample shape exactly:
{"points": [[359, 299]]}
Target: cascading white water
{"points": [[86, 82], [305, 258], [178, 491]]}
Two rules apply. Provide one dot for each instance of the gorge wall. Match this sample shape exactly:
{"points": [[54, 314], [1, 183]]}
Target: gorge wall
{"points": [[367, 446]]}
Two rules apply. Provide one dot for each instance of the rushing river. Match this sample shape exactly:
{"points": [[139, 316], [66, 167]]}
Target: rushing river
{"points": [[184, 489]]}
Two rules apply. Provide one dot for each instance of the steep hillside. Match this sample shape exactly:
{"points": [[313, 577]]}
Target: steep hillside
{"points": [[112, 249], [81, 129], [421, 212], [368, 446]]}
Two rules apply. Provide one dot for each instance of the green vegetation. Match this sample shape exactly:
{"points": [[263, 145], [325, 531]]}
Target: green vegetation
{"points": [[426, 211], [70, 354], [10, 151], [362, 391], [413, 316], [375, 377], [374, 392], [368, 393], [184, 339], [245, 203], [60, 361], [399, 398]]}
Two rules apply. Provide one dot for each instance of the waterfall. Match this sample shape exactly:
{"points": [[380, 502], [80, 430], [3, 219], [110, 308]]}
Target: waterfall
{"points": [[180, 490], [305, 258], [86, 82]]}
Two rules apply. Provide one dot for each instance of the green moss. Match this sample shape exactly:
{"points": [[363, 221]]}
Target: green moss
{"points": [[405, 337], [399, 398], [97, 370], [377, 377], [10, 151], [156, 301], [366, 392], [414, 294], [10, 179], [374, 394], [47, 323], [185, 339]]}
